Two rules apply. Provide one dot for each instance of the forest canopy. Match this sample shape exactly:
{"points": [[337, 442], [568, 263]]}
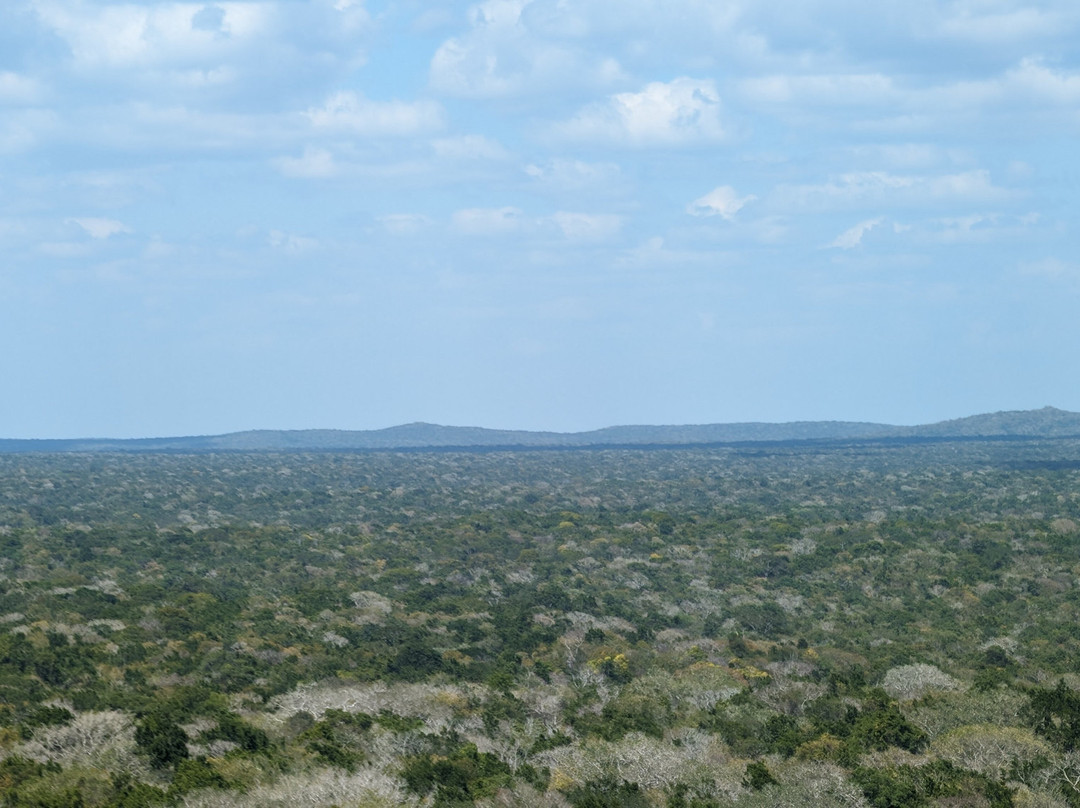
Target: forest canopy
{"points": [[859, 625]]}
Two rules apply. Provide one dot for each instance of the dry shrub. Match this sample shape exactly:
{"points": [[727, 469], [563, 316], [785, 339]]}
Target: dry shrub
{"points": [[368, 787], [910, 682], [637, 758], [104, 740], [437, 705], [990, 749]]}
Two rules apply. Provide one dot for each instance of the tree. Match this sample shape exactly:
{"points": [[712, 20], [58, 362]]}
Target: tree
{"points": [[162, 740]]}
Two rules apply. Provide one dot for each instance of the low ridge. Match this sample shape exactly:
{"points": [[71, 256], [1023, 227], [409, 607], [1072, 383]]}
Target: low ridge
{"points": [[1048, 422]]}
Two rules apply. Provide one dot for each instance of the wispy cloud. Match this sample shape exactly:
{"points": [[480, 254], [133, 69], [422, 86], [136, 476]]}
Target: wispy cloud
{"points": [[18, 89], [885, 189], [403, 224], [853, 237], [313, 163], [469, 147], [587, 226], [101, 228], [723, 201], [488, 221], [352, 113]]}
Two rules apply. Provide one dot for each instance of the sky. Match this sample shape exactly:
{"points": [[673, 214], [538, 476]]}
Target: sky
{"points": [[534, 214]]}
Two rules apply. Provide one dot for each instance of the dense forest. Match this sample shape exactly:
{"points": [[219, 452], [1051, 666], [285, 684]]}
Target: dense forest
{"points": [[780, 625]]}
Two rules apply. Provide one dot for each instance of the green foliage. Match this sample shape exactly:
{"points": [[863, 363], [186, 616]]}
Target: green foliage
{"points": [[685, 795], [1055, 714], [881, 725], [161, 739], [934, 784], [395, 722], [231, 727], [132, 794], [333, 740], [782, 735], [724, 601], [45, 716], [193, 773], [608, 793], [758, 775], [15, 771], [459, 779]]}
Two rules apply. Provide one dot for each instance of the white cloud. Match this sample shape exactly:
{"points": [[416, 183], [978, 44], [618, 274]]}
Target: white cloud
{"points": [[22, 129], [501, 54], [974, 226], [906, 102], [654, 252], [1033, 78], [203, 78], [1053, 268], [290, 242], [403, 224], [574, 175], [488, 221], [574, 226], [909, 155], [16, 89], [125, 35], [312, 164], [968, 185], [852, 238], [1000, 26], [882, 188], [681, 112], [723, 202], [352, 113], [516, 47], [100, 228], [469, 147], [847, 89], [587, 226]]}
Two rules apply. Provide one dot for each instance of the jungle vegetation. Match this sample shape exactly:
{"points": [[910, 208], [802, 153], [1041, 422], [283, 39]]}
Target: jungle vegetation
{"points": [[830, 625]]}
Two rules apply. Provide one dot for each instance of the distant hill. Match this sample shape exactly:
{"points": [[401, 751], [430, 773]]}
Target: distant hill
{"points": [[1047, 422]]}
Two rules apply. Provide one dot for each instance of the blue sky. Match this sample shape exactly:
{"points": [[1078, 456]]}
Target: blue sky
{"points": [[539, 214]]}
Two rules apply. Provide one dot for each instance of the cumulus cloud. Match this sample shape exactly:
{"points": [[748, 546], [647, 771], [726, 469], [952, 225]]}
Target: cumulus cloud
{"points": [[100, 228], [488, 221], [502, 54], [126, 35], [352, 113], [852, 238], [879, 102], [723, 202], [681, 112]]}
